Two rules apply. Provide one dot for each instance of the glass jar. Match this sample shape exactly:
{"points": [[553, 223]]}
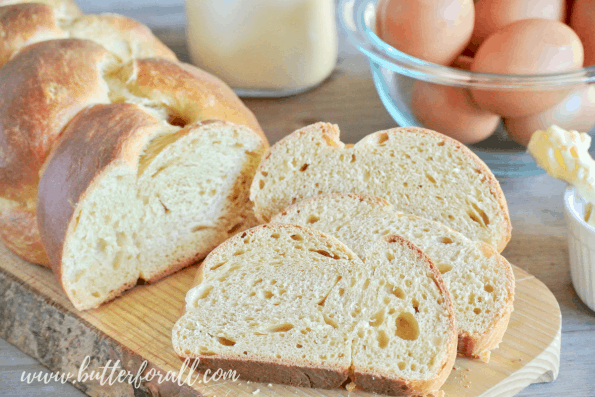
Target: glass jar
{"points": [[264, 48]]}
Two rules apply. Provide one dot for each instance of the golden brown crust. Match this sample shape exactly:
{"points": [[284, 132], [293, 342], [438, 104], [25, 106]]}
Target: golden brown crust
{"points": [[41, 89], [75, 163], [192, 94], [292, 374], [140, 40], [18, 231], [17, 31], [67, 8]]}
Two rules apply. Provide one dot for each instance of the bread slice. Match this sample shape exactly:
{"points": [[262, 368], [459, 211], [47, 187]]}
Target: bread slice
{"points": [[480, 280], [419, 171], [125, 196], [287, 304]]}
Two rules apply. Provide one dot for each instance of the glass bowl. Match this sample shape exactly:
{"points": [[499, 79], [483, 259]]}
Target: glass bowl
{"points": [[394, 74]]}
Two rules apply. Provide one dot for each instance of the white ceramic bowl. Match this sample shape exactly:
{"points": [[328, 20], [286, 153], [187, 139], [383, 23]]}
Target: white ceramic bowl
{"points": [[581, 248]]}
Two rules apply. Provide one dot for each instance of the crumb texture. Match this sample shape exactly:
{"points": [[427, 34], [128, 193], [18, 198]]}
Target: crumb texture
{"points": [[292, 297], [479, 279], [419, 171], [147, 215]]}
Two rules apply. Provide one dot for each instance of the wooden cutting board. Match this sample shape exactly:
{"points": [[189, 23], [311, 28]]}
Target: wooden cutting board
{"points": [[36, 317]]}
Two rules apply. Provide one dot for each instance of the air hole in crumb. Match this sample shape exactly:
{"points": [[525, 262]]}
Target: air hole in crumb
{"points": [[391, 311], [377, 319], [444, 267], [297, 237], [117, 260], [298, 346], [199, 228], [415, 305], [330, 321], [341, 291], [324, 253], [389, 256], [261, 184], [280, 328], [445, 240], [430, 178], [239, 252], [275, 235], [366, 283], [313, 219], [225, 341], [488, 288], [353, 158], [382, 138], [264, 173], [206, 291], [396, 291], [268, 294], [441, 143], [218, 265], [96, 294], [401, 365], [382, 339], [304, 167], [407, 327], [474, 217], [164, 207], [102, 245], [477, 310], [367, 175]]}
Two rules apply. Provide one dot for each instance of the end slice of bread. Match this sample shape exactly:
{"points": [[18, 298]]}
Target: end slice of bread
{"points": [[287, 304], [419, 171], [126, 196], [479, 279]]}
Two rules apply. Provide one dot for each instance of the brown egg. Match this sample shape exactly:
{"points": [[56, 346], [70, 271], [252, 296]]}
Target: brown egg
{"points": [[433, 30], [582, 20], [575, 112], [492, 15], [530, 46], [451, 111]]}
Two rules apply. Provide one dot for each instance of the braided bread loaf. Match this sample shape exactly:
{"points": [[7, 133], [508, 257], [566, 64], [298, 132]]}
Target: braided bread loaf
{"points": [[92, 92]]}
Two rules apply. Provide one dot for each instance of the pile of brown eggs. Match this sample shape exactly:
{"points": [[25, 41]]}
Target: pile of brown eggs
{"points": [[513, 37]]}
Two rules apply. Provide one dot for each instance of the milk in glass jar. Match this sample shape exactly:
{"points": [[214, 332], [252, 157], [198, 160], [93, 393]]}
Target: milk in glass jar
{"points": [[263, 48]]}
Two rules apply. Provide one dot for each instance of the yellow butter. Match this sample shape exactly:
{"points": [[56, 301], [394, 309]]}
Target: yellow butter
{"points": [[565, 155]]}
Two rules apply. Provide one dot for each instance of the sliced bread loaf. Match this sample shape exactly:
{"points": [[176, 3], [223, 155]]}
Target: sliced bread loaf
{"points": [[125, 196], [479, 279], [419, 171], [287, 304]]}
